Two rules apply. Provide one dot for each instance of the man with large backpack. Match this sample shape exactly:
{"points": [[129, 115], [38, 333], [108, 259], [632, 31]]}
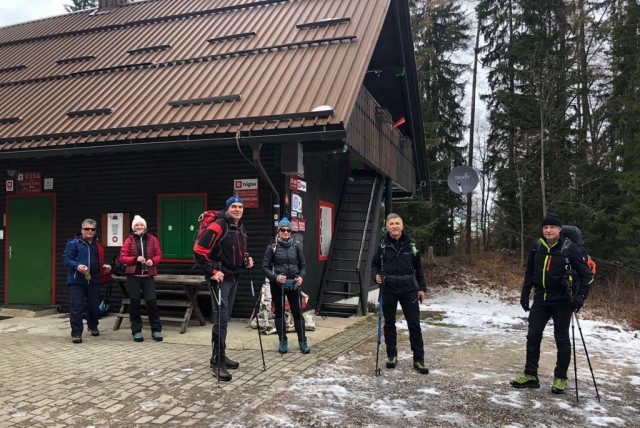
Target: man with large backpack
{"points": [[559, 273], [221, 251]]}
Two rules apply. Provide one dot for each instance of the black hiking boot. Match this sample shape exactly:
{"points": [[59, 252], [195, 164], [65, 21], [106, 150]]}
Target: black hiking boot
{"points": [[230, 364], [220, 371], [420, 367], [392, 362]]}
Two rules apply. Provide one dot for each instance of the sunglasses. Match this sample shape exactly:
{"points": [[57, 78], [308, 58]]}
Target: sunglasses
{"points": [[89, 229], [285, 230]]}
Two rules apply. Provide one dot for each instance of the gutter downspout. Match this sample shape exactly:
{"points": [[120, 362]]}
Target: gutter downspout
{"points": [[255, 148]]}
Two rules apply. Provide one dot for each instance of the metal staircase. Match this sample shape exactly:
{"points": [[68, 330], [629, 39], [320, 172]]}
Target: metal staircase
{"points": [[346, 276]]}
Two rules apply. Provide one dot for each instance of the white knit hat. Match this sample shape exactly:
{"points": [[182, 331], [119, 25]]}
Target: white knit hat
{"points": [[137, 219]]}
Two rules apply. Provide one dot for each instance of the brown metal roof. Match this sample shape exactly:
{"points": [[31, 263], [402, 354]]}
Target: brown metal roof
{"points": [[118, 72]]}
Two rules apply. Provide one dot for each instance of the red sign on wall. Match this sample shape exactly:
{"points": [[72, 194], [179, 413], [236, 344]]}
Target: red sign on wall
{"points": [[29, 182]]}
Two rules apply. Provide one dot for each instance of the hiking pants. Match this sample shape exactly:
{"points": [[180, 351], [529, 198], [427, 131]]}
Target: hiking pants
{"points": [[140, 287], [409, 303], [221, 312], [293, 296], [540, 314], [78, 292]]}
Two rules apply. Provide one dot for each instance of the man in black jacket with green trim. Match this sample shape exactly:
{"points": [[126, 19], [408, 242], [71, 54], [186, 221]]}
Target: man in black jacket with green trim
{"points": [[550, 262], [397, 267]]}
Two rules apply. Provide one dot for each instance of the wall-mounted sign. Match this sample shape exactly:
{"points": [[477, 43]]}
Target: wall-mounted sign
{"points": [[298, 225], [115, 229], [29, 182], [8, 185], [297, 185], [296, 203], [325, 229], [48, 183], [247, 189]]}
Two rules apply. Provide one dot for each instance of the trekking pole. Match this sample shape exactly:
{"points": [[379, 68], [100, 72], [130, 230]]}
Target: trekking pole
{"points": [[302, 323], [284, 332], [256, 310], [587, 354], [575, 364], [217, 297], [378, 370]]}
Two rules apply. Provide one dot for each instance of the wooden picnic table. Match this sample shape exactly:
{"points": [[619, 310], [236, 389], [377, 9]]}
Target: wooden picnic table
{"points": [[174, 291]]}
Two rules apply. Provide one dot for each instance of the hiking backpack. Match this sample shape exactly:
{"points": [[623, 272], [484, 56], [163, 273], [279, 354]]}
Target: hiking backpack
{"points": [[204, 220]]}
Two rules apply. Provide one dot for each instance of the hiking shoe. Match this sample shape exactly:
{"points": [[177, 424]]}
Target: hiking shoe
{"points": [[95, 332], [76, 339], [283, 348], [526, 381], [304, 347], [220, 372], [156, 335], [392, 362], [137, 337], [230, 364], [559, 385], [420, 367]]}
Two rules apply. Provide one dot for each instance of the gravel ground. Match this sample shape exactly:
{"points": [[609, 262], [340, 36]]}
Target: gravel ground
{"points": [[468, 384]]}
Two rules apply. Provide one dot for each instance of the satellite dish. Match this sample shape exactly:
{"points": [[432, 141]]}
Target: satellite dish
{"points": [[462, 180]]}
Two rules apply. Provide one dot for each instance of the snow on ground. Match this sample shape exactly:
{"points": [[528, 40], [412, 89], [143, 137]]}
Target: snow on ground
{"points": [[475, 344]]}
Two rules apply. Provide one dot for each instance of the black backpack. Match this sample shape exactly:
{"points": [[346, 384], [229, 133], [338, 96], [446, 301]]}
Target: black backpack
{"points": [[117, 268]]}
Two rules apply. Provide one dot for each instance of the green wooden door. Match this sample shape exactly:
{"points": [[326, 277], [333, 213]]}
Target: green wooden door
{"points": [[179, 222], [30, 250]]}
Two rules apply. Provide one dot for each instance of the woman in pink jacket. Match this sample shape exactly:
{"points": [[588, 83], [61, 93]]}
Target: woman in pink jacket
{"points": [[141, 254]]}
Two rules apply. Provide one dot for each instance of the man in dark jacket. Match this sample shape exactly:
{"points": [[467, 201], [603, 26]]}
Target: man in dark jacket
{"points": [[221, 251], [551, 261], [397, 268], [84, 257]]}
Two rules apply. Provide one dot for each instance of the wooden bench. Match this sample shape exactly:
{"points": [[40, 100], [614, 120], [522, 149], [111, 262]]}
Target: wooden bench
{"points": [[169, 296]]}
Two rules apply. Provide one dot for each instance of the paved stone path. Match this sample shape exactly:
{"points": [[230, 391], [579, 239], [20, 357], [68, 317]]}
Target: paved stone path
{"points": [[104, 382]]}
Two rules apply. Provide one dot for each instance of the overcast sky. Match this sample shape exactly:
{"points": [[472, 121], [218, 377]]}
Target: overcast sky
{"points": [[16, 11]]}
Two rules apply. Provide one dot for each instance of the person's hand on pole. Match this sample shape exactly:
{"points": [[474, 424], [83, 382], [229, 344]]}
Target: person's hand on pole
{"points": [[218, 276]]}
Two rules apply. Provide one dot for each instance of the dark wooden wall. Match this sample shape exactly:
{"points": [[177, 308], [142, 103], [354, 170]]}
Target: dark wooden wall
{"points": [[88, 186]]}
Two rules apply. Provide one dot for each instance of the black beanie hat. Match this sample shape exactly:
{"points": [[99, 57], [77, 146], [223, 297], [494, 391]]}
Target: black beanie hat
{"points": [[552, 219]]}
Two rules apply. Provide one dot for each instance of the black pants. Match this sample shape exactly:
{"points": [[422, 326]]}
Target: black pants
{"points": [[140, 287], [222, 306], [410, 308], [293, 296], [541, 313]]}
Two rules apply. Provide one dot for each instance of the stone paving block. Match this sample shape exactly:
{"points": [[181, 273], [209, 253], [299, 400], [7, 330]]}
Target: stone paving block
{"points": [[176, 411], [144, 419], [162, 419]]}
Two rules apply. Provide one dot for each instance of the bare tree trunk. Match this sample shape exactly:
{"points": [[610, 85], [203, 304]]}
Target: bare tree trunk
{"points": [[542, 180], [471, 130], [521, 207]]}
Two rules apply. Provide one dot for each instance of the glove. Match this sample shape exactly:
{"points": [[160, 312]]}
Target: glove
{"points": [[576, 303], [524, 302]]}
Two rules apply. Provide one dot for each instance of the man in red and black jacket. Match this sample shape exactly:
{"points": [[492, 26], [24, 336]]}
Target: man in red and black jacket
{"points": [[221, 251]]}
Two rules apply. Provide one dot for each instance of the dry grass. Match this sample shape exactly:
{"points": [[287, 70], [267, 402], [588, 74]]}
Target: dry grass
{"points": [[612, 297]]}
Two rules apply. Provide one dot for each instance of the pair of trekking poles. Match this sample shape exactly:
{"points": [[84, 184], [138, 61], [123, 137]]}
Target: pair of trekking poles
{"points": [[569, 275]]}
